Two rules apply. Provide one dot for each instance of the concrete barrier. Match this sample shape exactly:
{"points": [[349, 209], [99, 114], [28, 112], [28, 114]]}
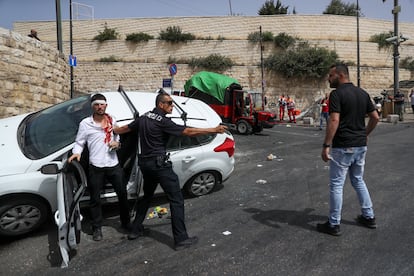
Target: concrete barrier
{"points": [[392, 118], [308, 121]]}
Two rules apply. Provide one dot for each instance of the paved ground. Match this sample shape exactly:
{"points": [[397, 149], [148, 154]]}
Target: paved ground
{"points": [[271, 222]]}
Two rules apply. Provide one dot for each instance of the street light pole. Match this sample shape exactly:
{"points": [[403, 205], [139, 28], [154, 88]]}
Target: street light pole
{"points": [[71, 47], [59, 27], [231, 12], [396, 54], [261, 59]]}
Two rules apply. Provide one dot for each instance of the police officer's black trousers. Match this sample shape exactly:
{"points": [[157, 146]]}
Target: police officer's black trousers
{"points": [[153, 174], [96, 180]]}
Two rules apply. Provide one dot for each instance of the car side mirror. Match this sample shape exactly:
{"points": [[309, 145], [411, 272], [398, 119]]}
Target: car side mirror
{"points": [[50, 169]]}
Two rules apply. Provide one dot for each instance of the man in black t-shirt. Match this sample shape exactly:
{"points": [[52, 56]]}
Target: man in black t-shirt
{"points": [[345, 147], [154, 128]]}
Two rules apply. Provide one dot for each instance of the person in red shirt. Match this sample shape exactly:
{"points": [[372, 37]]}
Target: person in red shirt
{"points": [[324, 111]]}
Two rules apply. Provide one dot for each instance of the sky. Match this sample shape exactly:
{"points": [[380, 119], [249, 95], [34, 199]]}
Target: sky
{"points": [[40, 10]]}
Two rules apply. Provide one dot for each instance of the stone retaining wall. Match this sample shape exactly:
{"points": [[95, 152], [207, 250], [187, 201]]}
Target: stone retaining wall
{"points": [[32, 75]]}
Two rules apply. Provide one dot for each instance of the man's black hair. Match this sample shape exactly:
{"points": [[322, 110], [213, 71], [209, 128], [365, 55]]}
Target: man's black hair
{"points": [[160, 97], [341, 68], [98, 97]]}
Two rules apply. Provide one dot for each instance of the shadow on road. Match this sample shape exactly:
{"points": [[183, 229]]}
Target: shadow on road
{"points": [[304, 219]]}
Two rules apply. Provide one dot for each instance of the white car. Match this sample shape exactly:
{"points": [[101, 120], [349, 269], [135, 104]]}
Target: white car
{"points": [[29, 141]]}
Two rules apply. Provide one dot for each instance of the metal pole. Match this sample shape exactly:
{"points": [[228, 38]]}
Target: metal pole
{"points": [[172, 84], [59, 27], [396, 54], [231, 12], [358, 49], [261, 60], [71, 47]]}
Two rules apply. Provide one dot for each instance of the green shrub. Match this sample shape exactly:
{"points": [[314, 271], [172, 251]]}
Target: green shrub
{"points": [[174, 34], [221, 38], [106, 34], [407, 63], [255, 36], [284, 40], [206, 38], [138, 37], [302, 61], [110, 59], [380, 39], [215, 62]]}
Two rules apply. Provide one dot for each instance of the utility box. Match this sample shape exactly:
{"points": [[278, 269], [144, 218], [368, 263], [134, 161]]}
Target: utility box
{"points": [[387, 108]]}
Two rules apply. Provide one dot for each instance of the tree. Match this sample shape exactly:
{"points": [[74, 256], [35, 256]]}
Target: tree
{"points": [[339, 8], [269, 8]]}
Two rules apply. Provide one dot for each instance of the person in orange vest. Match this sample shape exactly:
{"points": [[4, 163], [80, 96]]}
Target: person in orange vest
{"points": [[282, 106], [290, 103]]}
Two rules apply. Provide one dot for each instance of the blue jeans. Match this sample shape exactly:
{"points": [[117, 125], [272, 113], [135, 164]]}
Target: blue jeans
{"points": [[342, 161], [324, 115]]}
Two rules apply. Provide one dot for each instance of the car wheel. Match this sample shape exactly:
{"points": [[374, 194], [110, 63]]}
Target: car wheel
{"points": [[244, 127], [202, 183], [21, 215]]}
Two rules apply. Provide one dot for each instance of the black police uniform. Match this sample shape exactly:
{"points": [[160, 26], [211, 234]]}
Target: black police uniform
{"points": [[154, 128]]}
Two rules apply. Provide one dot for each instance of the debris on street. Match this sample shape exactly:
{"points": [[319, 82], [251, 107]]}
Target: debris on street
{"points": [[157, 212]]}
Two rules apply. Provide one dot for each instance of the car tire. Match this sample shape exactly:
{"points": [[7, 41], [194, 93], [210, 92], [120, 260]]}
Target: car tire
{"points": [[202, 183], [21, 215], [244, 127]]}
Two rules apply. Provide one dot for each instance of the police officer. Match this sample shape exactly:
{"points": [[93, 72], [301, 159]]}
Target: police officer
{"points": [[154, 128]]}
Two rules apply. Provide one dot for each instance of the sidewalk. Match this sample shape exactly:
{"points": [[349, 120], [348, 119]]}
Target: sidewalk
{"points": [[408, 118]]}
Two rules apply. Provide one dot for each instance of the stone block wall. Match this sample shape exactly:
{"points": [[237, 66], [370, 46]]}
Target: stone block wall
{"points": [[32, 75], [144, 65]]}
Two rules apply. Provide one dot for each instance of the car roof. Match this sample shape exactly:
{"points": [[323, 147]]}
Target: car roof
{"points": [[199, 114]]}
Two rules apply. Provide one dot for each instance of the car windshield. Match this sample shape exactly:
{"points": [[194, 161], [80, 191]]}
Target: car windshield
{"points": [[51, 129]]}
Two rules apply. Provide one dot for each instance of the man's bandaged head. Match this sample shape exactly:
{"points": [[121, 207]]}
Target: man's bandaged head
{"points": [[98, 99], [98, 102]]}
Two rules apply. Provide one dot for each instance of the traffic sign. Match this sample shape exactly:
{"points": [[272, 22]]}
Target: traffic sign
{"points": [[166, 82], [173, 69], [72, 60]]}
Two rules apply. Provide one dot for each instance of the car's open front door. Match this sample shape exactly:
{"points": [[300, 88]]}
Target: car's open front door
{"points": [[71, 184]]}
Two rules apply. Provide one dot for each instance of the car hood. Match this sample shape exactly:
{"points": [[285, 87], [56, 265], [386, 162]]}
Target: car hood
{"points": [[12, 159]]}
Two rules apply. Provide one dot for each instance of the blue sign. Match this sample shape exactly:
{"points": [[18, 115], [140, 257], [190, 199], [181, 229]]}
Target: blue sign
{"points": [[173, 69], [72, 60], [166, 82]]}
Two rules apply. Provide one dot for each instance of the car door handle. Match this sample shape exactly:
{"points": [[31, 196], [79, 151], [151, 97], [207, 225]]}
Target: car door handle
{"points": [[188, 159]]}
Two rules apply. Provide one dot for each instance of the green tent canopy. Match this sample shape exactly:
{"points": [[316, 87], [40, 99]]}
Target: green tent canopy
{"points": [[210, 83]]}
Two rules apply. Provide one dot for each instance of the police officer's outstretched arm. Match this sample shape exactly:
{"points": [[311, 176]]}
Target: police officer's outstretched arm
{"points": [[122, 129], [192, 131]]}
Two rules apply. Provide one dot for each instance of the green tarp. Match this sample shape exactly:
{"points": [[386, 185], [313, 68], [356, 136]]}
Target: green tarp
{"points": [[210, 83]]}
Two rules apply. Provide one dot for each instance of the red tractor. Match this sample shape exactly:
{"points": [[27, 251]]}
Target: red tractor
{"points": [[240, 110]]}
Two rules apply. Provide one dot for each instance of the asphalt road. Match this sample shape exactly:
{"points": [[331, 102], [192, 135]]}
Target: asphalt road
{"points": [[270, 226]]}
